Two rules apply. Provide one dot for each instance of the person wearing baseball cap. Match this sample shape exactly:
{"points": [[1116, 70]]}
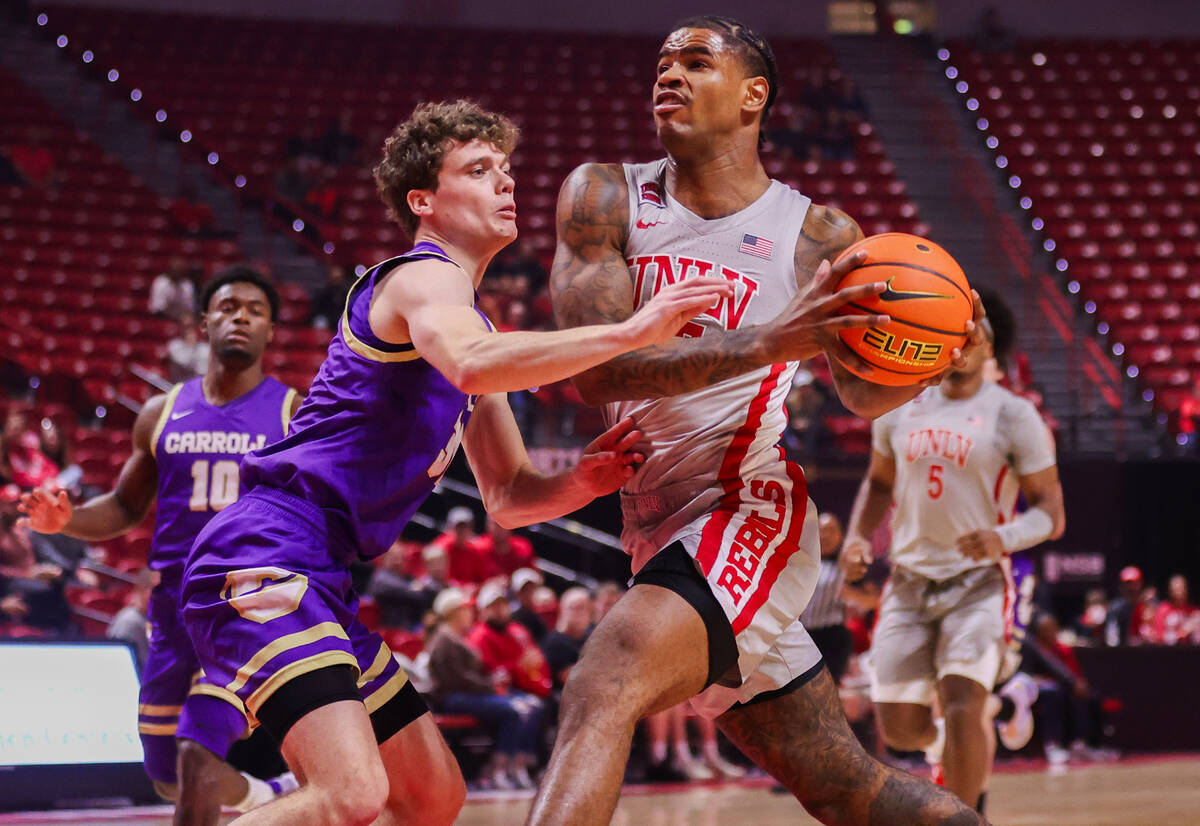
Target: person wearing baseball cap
{"points": [[457, 541], [1130, 611], [525, 582], [462, 684]]}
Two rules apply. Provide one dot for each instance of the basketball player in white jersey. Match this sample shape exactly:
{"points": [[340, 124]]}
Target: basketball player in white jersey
{"points": [[721, 530], [953, 461]]}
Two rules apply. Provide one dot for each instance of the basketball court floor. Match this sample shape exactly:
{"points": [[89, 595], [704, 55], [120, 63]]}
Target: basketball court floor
{"points": [[1147, 791]]}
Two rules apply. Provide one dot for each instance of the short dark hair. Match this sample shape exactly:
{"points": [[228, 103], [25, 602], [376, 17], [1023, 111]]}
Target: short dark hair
{"points": [[1003, 322], [752, 49], [413, 154], [240, 274]]}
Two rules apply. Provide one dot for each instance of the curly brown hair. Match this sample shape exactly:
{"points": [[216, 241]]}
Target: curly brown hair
{"points": [[413, 153]]}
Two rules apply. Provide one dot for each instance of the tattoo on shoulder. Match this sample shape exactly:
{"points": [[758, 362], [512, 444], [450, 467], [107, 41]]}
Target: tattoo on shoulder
{"points": [[826, 233], [589, 280]]}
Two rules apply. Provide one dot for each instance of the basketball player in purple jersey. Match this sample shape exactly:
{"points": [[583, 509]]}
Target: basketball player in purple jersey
{"points": [[187, 445], [722, 534], [413, 370]]}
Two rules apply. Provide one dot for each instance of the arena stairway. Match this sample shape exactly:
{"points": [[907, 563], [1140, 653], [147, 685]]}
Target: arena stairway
{"points": [[153, 152], [952, 177]]}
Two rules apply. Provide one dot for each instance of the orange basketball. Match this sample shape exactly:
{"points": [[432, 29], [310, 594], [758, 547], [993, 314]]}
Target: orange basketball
{"points": [[928, 299]]}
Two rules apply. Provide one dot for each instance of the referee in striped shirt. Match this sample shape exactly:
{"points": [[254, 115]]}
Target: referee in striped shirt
{"points": [[825, 616]]}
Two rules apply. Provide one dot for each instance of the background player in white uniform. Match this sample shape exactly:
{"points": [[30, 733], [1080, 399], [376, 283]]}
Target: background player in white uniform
{"points": [[721, 529], [953, 460]]}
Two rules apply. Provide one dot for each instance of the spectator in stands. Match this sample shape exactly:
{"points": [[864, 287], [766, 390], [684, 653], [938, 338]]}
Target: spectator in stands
{"points": [[31, 592], [462, 684], [799, 137], [523, 269], [324, 199], [1089, 628], [329, 301], [1125, 624], [507, 649], [837, 137], [562, 645], [525, 582], [456, 540], [806, 404], [1064, 694], [825, 615], [34, 160], [392, 589], [173, 293], [131, 624], [545, 603], [55, 447], [339, 145], [607, 594], [23, 460], [187, 355], [501, 552], [992, 36], [1177, 621]]}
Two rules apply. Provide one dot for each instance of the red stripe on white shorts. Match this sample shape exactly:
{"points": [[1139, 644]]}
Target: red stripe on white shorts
{"points": [[1010, 596], [730, 475], [783, 552]]}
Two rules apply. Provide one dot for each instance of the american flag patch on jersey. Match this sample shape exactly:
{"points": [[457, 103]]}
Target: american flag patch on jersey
{"points": [[753, 245]]}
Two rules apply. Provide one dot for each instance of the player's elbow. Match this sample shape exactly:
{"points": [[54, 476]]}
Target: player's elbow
{"points": [[471, 376], [1060, 525]]}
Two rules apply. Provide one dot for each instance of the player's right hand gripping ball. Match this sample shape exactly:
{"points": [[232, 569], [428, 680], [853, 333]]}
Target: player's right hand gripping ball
{"points": [[927, 297]]}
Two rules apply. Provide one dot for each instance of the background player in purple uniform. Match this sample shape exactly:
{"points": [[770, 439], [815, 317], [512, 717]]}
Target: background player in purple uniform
{"points": [[413, 370], [187, 446]]}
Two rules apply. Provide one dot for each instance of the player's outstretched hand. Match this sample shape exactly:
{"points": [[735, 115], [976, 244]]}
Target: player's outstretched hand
{"points": [[47, 510], [677, 304], [980, 545], [855, 558], [610, 459], [810, 323], [976, 337]]}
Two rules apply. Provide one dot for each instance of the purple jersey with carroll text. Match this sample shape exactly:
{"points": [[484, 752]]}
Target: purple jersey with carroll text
{"points": [[375, 433], [198, 448]]}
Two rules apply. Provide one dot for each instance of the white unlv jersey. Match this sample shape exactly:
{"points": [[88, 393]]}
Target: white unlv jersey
{"points": [[957, 463], [721, 433]]}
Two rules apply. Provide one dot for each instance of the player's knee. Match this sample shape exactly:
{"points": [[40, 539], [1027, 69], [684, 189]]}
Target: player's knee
{"points": [[595, 691], [963, 701], [441, 798], [359, 804], [900, 732]]}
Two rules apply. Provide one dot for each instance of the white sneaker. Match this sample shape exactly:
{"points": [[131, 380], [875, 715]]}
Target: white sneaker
{"points": [[1023, 692], [1057, 755], [724, 768], [693, 768], [502, 782], [522, 780]]}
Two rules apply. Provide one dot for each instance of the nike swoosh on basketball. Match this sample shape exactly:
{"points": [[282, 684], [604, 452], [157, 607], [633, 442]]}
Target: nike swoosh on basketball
{"points": [[641, 224], [175, 416], [903, 295]]}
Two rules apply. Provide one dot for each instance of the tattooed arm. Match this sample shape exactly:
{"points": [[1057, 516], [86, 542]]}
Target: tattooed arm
{"points": [[590, 284]]}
